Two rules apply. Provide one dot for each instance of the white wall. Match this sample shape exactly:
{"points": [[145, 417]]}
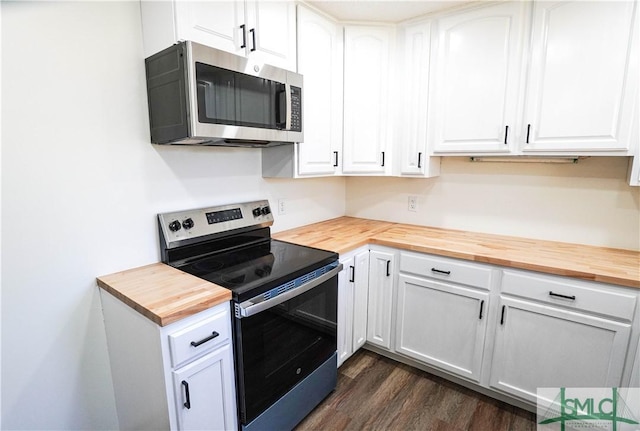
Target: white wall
{"points": [[587, 203], [81, 186]]}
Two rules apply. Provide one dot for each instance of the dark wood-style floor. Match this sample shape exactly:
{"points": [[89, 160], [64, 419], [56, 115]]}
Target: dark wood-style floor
{"points": [[376, 393]]}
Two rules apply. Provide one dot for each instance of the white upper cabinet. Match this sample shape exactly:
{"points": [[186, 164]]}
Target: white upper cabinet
{"points": [[320, 62], [367, 64], [271, 32], [219, 25], [477, 76], [263, 30], [412, 149], [583, 76]]}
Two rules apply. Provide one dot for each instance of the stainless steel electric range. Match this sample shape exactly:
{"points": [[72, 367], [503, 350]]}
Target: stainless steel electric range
{"points": [[284, 301]]}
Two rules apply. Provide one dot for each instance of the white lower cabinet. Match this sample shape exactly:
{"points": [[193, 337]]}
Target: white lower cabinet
{"points": [[503, 330], [380, 301], [179, 376], [202, 391], [560, 349], [569, 333], [442, 324], [353, 284]]}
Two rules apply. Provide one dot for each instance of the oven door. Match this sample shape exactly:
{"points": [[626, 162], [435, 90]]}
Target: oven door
{"points": [[282, 340]]}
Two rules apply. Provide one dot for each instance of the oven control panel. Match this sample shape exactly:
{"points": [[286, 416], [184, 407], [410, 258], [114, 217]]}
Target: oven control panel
{"points": [[179, 226]]}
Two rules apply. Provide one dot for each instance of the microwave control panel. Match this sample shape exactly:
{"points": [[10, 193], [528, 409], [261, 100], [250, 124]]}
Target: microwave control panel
{"points": [[296, 109]]}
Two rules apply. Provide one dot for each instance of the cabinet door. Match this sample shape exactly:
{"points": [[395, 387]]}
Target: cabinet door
{"points": [[380, 299], [366, 114], [442, 324], [271, 32], [216, 24], [345, 311], [360, 298], [560, 349], [320, 62], [205, 392], [477, 78], [415, 89], [583, 76]]}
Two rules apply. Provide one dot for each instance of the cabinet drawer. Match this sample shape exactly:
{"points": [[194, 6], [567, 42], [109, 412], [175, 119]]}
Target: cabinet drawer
{"points": [[200, 338], [576, 294], [442, 268]]}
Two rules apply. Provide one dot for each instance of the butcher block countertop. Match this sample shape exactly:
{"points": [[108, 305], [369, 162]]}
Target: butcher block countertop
{"points": [[162, 293], [165, 294], [340, 234], [606, 265]]}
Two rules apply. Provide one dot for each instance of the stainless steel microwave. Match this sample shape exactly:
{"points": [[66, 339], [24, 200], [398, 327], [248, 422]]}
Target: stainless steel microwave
{"points": [[198, 95]]}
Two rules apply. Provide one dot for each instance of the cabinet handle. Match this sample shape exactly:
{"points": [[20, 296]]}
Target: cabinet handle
{"points": [[213, 335], [439, 271], [481, 309], [187, 403], [335, 160], [353, 273], [557, 295], [388, 265], [506, 133], [382, 159], [419, 160], [528, 131], [253, 38], [244, 36], [502, 315]]}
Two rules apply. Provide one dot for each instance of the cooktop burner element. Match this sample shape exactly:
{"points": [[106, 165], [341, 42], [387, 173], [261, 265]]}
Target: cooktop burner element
{"points": [[252, 270]]}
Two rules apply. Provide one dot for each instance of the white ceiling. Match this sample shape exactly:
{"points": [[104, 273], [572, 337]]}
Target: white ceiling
{"points": [[381, 10]]}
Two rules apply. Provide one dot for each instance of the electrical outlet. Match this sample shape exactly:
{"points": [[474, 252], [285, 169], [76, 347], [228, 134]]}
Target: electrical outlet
{"points": [[282, 207], [413, 203]]}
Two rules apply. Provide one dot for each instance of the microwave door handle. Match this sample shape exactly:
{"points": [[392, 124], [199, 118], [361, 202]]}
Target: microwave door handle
{"points": [[258, 304], [287, 91]]}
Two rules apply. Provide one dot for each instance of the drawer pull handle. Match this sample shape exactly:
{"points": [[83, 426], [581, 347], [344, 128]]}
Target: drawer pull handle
{"points": [[353, 274], [187, 403], [213, 335], [388, 268], [557, 295], [502, 315], [439, 271], [481, 309]]}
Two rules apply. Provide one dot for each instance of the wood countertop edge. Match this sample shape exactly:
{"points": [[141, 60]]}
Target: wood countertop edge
{"points": [[510, 263], [167, 317]]}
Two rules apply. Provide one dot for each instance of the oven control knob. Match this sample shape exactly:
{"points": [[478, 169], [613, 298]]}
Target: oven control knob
{"points": [[256, 212], [174, 226], [188, 223], [266, 210]]}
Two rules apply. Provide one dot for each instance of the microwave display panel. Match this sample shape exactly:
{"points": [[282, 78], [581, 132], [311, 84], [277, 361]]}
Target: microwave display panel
{"points": [[237, 99]]}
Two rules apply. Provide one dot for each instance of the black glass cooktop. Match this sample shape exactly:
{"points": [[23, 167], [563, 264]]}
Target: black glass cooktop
{"points": [[252, 270]]}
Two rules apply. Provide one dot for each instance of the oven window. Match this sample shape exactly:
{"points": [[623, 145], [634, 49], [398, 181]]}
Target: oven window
{"points": [[233, 98], [279, 347]]}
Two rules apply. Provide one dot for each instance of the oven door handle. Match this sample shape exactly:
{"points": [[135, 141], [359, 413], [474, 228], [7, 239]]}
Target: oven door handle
{"points": [[257, 304]]}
